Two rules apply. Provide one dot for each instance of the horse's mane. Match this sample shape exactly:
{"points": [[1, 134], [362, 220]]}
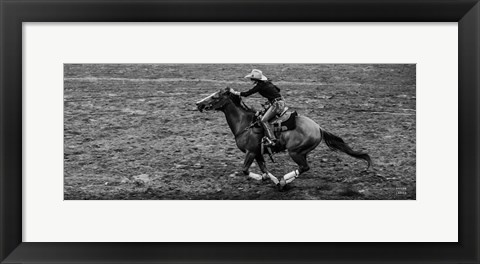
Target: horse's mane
{"points": [[237, 100]]}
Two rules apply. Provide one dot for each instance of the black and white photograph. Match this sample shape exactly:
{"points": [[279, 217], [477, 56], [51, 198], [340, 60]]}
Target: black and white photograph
{"points": [[239, 131]]}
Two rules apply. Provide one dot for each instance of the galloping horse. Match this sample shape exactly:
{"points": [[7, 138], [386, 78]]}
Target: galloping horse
{"points": [[298, 142]]}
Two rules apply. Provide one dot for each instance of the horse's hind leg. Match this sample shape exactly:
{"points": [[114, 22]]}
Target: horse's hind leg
{"points": [[246, 166], [301, 160], [263, 167]]}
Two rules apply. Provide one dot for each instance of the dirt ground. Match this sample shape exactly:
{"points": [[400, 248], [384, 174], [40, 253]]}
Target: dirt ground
{"points": [[132, 131]]}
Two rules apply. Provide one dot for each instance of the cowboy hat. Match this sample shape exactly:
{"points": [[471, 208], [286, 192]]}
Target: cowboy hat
{"points": [[256, 75]]}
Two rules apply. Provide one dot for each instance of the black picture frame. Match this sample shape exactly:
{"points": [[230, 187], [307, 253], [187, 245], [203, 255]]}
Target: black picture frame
{"points": [[14, 12]]}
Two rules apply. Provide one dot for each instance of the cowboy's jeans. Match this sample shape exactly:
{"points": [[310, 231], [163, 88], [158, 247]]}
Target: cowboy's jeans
{"points": [[276, 108]]}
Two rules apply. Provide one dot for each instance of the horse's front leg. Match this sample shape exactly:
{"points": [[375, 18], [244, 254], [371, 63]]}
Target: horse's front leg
{"points": [[263, 167], [246, 166]]}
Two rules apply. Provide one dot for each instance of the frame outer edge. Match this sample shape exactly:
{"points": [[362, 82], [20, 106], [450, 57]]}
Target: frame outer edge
{"points": [[469, 130], [3, 239], [2, 199], [10, 130], [10, 239], [477, 131]]}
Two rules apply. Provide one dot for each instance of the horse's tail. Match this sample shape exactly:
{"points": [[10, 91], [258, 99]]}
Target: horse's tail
{"points": [[336, 143]]}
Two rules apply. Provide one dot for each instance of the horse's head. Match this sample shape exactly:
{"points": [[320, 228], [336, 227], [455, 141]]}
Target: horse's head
{"points": [[215, 101]]}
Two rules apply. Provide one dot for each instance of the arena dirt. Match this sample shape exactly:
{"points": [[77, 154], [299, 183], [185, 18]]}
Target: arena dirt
{"points": [[133, 132]]}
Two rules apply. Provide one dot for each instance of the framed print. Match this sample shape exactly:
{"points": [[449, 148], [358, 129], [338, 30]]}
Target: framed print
{"points": [[226, 131]]}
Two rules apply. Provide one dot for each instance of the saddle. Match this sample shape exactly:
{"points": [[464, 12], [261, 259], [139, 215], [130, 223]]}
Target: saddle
{"points": [[284, 121], [281, 122]]}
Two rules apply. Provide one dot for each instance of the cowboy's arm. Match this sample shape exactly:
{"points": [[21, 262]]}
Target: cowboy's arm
{"points": [[247, 93], [234, 92]]}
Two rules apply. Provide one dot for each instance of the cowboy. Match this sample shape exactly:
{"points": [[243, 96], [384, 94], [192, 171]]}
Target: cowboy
{"points": [[267, 89]]}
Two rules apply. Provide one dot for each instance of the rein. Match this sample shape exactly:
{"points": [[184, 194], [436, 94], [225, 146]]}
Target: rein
{"points": [[248, 127], [245, 130]]}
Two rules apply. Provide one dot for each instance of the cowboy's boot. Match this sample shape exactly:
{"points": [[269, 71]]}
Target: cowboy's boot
{"points": [[271, 140]]}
